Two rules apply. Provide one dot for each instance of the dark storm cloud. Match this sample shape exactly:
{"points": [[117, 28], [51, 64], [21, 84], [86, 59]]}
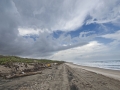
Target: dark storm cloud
{"points": [[24, 13], [10, 42], [8, 25]]}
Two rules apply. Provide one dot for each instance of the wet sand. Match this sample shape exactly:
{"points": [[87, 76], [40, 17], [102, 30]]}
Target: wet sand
{"points": [[64, 77]]}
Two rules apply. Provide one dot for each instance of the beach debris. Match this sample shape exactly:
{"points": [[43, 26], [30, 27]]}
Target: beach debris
{"points": [[23, 74], [24, 69]]}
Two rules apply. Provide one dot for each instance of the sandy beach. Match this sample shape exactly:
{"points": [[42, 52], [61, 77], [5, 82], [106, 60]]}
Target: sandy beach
{"points": [[66, 77], [107, 72]]}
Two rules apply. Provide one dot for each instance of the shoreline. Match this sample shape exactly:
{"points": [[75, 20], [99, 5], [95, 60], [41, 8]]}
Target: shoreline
{"points": [[115, 74], [100, 67]]}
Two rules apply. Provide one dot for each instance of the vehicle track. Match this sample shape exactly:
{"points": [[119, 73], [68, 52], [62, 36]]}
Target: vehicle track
{"points": [[81, 79]]}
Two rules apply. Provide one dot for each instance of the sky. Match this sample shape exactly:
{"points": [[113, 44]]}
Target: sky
{"points": [[70, 30]]}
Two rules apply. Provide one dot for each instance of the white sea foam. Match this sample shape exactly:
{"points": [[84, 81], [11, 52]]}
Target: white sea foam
{"points": [[107, 64]]}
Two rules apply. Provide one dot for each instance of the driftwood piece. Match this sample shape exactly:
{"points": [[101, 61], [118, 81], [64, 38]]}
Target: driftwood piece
{"points": [[22, 75]]}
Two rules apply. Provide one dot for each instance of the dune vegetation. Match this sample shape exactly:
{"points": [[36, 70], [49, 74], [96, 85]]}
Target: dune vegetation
{"points": [[13, 59]]}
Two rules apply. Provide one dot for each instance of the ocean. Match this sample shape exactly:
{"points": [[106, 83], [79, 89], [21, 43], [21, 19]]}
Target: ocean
{"points": [[107, 64]]}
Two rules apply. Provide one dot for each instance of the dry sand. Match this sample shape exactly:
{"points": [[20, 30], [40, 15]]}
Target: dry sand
{"points": [[65, 77]]}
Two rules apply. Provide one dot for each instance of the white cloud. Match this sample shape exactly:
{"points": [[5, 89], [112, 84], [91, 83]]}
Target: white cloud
{"points": [[116, 39], [106, 11], [31, 31], [66, 15], [87, 52], [91, 51], [54, 15], [28, 31], [114, 36]]}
